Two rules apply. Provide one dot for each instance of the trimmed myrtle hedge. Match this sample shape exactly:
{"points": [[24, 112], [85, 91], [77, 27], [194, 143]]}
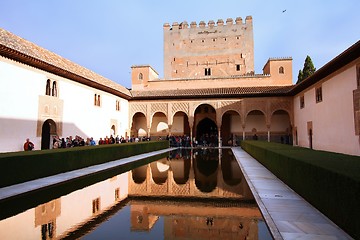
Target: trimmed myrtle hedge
{"points": [[329, 181], [18, 167]]}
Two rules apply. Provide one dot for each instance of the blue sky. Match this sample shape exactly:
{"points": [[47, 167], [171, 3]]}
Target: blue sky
{"points": [[109, 36]]}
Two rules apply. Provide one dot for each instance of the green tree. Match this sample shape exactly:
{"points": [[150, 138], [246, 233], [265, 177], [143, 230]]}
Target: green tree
{"points": [[307, 70]]}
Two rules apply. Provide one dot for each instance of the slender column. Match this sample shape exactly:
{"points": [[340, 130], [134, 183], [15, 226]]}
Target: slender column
{"points": [[148, 180], [191, 136], [243, 127], [169, 130], [169, 181], [219, 136], [268, 133]]}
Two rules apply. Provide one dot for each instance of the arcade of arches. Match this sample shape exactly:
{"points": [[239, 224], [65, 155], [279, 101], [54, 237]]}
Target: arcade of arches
{"points": [[214, 122]]}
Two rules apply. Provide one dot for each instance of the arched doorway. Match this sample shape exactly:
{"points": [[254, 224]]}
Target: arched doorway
{"points": [[48, 130], [159, 126], [231, 131], [280, 127], [206, 132], [255, 125], [205, 127], [180, 124], [139, 125]]}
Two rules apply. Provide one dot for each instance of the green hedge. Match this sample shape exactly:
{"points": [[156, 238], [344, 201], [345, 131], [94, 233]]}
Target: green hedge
{"points": [[18, 167], [329, 181]]}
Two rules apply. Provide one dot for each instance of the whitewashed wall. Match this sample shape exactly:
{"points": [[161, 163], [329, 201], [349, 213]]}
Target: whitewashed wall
{"points": [[20, 89], [333, 118]]}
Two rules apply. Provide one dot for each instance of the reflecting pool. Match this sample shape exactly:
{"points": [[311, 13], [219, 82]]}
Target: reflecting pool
{"points": [[184, 194]]}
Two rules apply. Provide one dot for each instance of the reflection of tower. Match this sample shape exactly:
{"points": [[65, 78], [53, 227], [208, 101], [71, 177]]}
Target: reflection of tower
{"points": [[210, 227], [141, 220], [45, 216]]}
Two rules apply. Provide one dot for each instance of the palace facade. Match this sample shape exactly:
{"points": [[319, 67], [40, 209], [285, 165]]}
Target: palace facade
{"points": [[209, 93]]}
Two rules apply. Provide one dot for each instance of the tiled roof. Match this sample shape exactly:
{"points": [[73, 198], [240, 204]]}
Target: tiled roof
{"points": [[19, 49], [214, 92]]}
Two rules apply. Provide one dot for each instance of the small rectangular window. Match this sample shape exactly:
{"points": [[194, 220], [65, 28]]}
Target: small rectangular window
{"points": [[117, 194], [237, 67], [117, 105], [302, 102], [97, 100], [318, 92], [96, 205]]}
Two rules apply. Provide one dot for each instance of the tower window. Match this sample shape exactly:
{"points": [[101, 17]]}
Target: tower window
{"points": [[281, 70], [141, 76], [238, 67], [207, 71]]}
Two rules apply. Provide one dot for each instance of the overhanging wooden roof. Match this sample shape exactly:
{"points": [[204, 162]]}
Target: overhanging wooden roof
{"points": [[213, 93], [21, 50]]}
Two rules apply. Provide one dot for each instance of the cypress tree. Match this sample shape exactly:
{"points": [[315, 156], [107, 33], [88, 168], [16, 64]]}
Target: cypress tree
{"points": [[307, 71]]}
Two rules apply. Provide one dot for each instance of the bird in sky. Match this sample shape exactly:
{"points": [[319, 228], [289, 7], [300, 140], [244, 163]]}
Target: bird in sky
{"points": [[284, 11]]}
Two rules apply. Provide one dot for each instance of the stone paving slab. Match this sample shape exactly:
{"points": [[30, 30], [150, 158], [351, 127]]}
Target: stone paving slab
{"points": [[17, 189], [287, 214]]}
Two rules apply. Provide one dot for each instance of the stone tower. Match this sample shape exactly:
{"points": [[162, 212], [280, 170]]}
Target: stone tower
{"points": [[212, 50]]}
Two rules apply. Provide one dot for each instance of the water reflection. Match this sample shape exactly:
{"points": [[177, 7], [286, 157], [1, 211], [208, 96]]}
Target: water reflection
{"points": [[183, 195], [191, 173]]}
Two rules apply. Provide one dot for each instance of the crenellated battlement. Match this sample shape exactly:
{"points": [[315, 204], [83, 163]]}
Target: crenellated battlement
{"points": [[224, 47], [210, 24]]}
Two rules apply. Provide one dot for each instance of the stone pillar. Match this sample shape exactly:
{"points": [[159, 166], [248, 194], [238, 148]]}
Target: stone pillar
{"points": [[191, 137], [219, 136], [243, 127], [192, 176], [148, 178], [169, 126], [191, 125], [170, 181], [148, 133], [268, 133]]}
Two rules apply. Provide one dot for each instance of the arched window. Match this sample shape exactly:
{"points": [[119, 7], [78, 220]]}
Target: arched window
{"points": [[48, 89], [281, 70], [98, 103], [54, 89], [140, 76], [95, 99]]}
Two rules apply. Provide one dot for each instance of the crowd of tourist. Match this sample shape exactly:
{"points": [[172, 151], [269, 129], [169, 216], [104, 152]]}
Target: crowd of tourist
{"points": [[205, 140], [79, 141], [72, 142]]}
